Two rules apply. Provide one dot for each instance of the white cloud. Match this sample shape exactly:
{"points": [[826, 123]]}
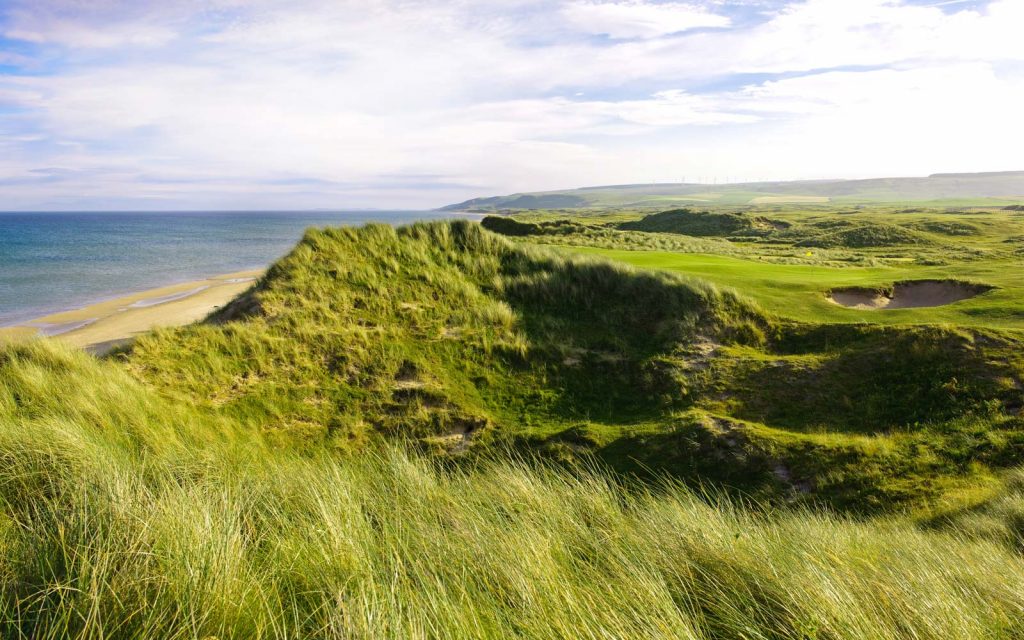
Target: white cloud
{"points": [[639, 19], [105, 30], [893, 122], [75, 35], [354, 93], [831, 33]]}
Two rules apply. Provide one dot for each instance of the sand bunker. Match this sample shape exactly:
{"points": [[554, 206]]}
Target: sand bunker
{"points": [[912, 294]]}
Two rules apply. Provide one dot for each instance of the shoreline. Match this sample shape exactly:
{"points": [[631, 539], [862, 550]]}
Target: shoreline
{"points": [[104, 325]]}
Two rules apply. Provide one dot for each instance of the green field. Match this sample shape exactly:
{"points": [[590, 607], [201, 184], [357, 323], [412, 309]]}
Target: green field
{"points": [[441, 432], [939, 190], [800, 291], [789, 262], [792, 275]]}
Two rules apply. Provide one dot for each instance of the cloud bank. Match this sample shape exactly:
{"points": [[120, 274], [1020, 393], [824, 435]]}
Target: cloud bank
{"points": [[262, 104]]}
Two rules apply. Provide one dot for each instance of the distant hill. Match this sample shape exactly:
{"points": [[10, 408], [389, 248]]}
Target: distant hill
{"points": [[941, 188]]}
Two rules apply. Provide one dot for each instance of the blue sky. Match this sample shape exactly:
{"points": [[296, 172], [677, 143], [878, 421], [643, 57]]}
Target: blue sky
{"points": [[265, 104]]}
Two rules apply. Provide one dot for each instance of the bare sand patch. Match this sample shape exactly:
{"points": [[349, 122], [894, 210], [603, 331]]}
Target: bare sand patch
{"points": [[106, 325], [50, 329], [910, 294], [171, 297]]}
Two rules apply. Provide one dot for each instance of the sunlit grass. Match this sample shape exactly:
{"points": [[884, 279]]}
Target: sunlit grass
{"points": [[126, 517], [434, 432]]}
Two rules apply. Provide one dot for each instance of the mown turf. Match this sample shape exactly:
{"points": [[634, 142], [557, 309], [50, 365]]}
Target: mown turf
{"points": [[790, 269], [800, 291]]}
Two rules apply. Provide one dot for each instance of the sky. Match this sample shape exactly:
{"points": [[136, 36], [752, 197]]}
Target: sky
{"points": [[269, 104]]}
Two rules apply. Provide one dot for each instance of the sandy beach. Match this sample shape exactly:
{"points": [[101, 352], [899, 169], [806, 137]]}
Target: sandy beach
{"points": [[102, 326]]}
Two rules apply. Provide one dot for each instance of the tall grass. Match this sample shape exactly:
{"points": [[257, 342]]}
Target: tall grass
{"points": [[448, 333], [127, 515], [350, 311]]}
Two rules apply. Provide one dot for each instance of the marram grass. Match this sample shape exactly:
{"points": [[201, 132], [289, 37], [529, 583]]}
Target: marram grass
{"points": [[348, 451], [129, 515], [462, 339]]}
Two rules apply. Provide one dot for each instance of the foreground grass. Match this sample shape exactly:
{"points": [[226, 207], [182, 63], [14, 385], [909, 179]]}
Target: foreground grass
{"points": [[127, 515], [350, 450]]}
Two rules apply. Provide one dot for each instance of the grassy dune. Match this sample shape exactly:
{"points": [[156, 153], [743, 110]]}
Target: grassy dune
{"points": [[438, 432], [128, 515], [464, 341]]}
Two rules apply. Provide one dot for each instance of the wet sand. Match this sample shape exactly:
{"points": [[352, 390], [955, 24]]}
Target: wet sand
{"points": [[102, 326]]}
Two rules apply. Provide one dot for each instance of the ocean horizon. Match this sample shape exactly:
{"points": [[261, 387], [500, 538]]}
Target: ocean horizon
{"points": [[58, 261]]}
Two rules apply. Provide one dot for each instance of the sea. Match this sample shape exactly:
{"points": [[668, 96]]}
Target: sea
{"points": [[52, 262]]}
